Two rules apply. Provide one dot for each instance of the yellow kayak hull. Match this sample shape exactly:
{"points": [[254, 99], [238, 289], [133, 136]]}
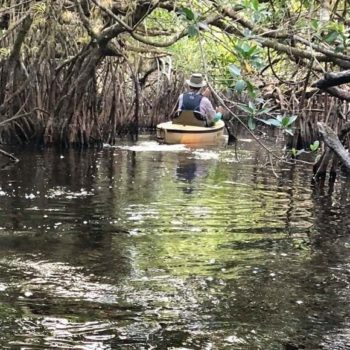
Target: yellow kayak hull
{"points": [[170, 133]]}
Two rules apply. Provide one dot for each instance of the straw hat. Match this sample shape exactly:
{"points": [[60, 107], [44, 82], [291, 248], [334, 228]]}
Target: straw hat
{"points": [[196, 81]]}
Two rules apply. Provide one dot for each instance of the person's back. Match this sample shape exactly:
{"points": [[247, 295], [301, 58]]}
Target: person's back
{"points": [[195, 101]]}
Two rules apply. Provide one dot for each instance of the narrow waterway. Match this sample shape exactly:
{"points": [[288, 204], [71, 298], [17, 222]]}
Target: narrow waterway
{"points": [[147, 246]]}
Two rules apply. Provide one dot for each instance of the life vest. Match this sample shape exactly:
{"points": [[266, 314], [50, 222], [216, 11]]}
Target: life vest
{"points": [[191, 101]]}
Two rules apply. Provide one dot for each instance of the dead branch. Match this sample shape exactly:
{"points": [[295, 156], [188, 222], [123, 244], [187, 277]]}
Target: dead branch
{"points": [[332, 141]]}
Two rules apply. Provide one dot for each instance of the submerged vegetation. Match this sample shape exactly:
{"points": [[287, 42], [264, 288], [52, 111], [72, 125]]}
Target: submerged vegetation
{"points": [[88, 71]]}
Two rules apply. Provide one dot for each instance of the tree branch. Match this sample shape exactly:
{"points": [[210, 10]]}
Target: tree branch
{"points": [[331, 140], [333, 79]]}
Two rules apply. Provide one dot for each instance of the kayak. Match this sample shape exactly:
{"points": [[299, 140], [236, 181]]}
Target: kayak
{"points": [[170, 133], [187, 129]]}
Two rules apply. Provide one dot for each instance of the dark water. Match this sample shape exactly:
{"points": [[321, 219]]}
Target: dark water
{"points": [[166, 247]]}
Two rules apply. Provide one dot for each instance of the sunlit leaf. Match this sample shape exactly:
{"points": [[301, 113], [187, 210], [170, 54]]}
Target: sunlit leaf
{"points": [[314, 146], [255, 4]]}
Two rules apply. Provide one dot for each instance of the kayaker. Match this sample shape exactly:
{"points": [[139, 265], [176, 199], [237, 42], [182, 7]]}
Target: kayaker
{"points": [[196, 99]]}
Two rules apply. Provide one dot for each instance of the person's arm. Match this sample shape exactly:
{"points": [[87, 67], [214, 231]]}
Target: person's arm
{"points": [[207, 109]]}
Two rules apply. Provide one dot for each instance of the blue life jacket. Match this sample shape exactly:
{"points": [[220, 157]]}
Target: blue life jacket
{"points": [[191, 101]]}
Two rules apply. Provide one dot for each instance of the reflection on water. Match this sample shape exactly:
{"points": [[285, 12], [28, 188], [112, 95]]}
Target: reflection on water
{"points": [[149, 246]]}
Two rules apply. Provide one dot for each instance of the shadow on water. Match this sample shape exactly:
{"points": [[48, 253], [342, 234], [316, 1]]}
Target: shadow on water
{"points": [[147, 246]]}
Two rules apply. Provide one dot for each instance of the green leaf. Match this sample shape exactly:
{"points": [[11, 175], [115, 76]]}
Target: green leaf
{"points": [[252, 106], [274, 122], [192, 30], [188, 13], [245, 108], [314, 146], [269, 121], [251, 89], [251, 123], [234, 70], [285, 121], [245, 47], [315, 24], [297, 152], [255, 4], [239, 50], [251, 51], [238, 7], [331, 37], [289, 131], [292, 119], [279, 118], [240, 85]]}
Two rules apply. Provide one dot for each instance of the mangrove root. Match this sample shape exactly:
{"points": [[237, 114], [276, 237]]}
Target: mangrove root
{"points": [[9, 155]]}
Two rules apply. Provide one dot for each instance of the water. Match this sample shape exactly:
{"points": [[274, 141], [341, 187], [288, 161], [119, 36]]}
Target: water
{"points": [[146, 246]]}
